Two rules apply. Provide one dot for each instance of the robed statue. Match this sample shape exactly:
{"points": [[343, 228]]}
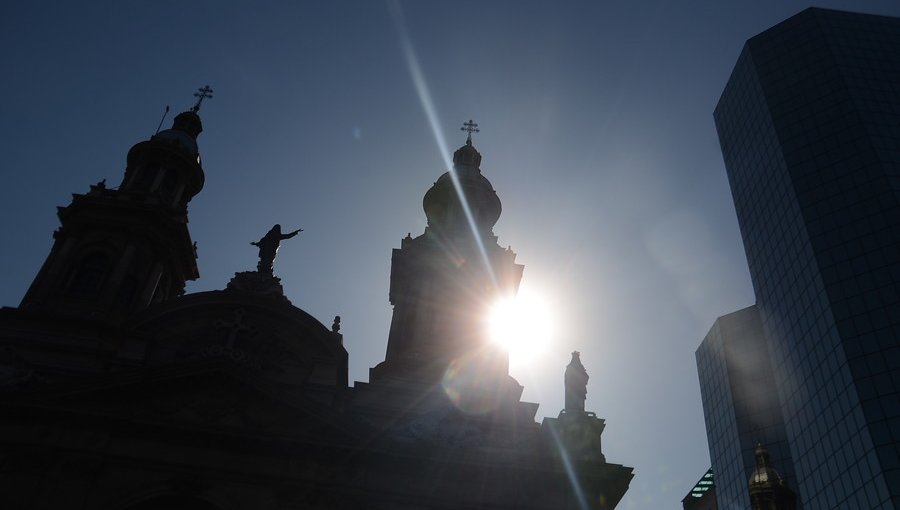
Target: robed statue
{"points": [[576, 384], [268, 247]]}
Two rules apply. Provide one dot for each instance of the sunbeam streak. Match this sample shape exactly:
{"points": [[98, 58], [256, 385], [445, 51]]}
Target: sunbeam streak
{"points": [[422, 90], [570, 471]]}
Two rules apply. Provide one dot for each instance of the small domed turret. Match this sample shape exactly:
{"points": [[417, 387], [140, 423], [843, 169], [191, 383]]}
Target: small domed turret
{"points": [[183, 134], [168, 164], [467, 155], [187, 126], [764, 474], [768, 490], [442, 204]]}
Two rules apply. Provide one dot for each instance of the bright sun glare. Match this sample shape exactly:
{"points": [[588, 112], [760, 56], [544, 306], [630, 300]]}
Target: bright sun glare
{"points": [[523, 325]]}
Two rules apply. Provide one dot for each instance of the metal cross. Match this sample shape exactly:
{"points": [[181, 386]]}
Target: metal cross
{"points": [[202, 94], [469, 127]]}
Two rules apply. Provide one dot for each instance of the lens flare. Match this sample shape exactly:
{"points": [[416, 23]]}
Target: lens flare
{"points": [[472, 383], [523, 325], [570, 470]]}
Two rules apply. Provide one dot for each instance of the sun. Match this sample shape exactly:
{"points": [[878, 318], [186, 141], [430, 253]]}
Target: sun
{"points": [[523, 325]]}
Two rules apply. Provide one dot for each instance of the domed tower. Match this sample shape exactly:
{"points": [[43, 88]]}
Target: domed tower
{"points": [[768, 490], [119, 249], [444, 282]]}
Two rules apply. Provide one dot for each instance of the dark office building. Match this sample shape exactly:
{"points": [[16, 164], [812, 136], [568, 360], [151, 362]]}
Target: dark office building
{"points": [[809, 125], [702, 495], [740, 404]]}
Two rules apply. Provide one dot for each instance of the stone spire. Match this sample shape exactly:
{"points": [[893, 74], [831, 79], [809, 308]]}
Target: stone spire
{"points": [[119, 249], [444, 281]]}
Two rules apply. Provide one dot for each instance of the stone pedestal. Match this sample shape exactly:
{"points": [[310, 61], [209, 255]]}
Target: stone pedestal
{"points": [[577, 433], [256, 282]]}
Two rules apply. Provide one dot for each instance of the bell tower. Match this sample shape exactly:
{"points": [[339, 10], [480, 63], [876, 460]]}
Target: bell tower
{"points": [[444, 282], [120, 249]]}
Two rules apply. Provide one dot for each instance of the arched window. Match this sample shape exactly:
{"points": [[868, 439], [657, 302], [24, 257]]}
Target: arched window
{"points": [[89, 276]]}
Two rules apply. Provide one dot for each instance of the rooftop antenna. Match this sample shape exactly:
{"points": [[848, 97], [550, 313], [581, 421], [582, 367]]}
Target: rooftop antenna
{"points": [[201, 94], [162, 119]]}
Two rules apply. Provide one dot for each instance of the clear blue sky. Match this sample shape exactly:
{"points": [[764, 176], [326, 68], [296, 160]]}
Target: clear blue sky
{"points": [[597, 133]]}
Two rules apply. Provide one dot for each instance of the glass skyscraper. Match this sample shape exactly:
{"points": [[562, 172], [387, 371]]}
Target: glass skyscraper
{"points": [[809, 125], [741, 405]]}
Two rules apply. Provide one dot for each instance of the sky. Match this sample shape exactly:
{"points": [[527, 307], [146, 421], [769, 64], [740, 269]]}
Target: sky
{"points": [[596, 132]]}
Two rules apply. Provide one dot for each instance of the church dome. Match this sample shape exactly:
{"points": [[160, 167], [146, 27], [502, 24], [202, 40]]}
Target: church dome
{"points": [[764, 476], [183, 134], [442, 204], [169, 162]]}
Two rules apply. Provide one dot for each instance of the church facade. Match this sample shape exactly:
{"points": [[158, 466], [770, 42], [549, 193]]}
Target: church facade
{"points": [[118, 391]]}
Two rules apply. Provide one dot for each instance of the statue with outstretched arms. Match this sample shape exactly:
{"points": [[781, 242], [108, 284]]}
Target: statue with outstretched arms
{"points": [[268, 247]]}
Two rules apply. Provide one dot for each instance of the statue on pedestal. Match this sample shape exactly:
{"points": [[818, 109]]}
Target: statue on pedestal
{"points": [[576, 379], [268, 247]]}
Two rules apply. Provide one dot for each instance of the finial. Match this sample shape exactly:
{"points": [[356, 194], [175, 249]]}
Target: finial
{"points": [[201, 94], [469, 128], [336, 325]]}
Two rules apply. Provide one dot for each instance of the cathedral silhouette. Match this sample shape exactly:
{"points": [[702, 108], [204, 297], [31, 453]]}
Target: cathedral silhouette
{"points": [[121, 392]]}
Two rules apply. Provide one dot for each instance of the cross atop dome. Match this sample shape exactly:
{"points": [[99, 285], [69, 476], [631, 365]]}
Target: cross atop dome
{"points": [[203, 93], [467, 155], [469, 127]]}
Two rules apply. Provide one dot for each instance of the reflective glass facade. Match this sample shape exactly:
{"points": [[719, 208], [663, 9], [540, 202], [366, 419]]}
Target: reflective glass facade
{"points": [[809, 125], [740, 405]]}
